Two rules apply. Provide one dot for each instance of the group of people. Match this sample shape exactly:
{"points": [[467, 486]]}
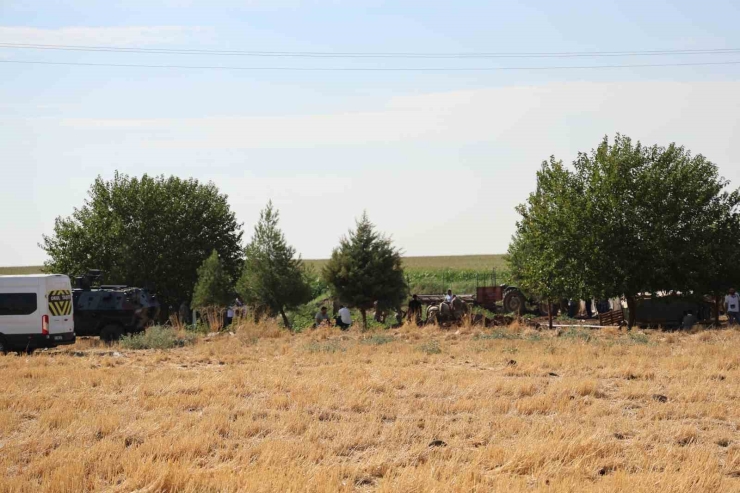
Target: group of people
{"points": [[731, 306], [343, 319]]}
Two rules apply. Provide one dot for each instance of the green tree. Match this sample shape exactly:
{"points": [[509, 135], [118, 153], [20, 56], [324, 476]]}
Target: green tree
{"points": [[214, 286], [366, 268], [543, 254], [719, 247], [651, 212], [151, 231], [273, 277], [640, 220]]}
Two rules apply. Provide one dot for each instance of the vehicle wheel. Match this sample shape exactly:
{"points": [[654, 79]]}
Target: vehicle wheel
{"points": [[3, 347], [514, 302], [111, 333]]}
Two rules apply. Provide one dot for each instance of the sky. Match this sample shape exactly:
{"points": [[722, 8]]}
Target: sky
{"points": [[439, 158]]}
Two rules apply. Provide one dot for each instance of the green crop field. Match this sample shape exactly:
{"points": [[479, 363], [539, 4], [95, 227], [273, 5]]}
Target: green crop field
{"points": [[426, 275], [19, 271], [461, 273], [458, 262]]}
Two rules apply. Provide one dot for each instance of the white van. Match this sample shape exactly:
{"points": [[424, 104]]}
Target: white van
{"points": [[35, 312]]}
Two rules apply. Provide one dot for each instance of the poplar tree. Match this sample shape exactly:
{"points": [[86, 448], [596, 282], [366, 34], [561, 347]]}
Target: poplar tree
{"points": [[273, 277]]}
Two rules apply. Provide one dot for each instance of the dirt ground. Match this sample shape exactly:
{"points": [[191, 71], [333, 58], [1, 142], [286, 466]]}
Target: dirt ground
{"points": [[422, 410]]}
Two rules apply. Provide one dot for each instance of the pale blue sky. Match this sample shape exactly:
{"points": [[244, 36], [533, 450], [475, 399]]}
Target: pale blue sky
{"points": [[438, 159]]}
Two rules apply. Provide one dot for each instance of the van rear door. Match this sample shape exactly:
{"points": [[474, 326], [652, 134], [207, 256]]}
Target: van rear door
{"points": [[59, 304]]}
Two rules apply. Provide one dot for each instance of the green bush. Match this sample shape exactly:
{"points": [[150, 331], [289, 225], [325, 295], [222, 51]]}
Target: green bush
{"points": [[157, 338], [431, 347], [639, 338], [574, 333], [498, 334], [378, 340]]}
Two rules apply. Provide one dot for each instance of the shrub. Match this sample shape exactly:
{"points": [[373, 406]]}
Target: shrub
{"points": [[498, 334], [157, 338], [378, 340], [574, 333], [431, 347], [639, 337]]}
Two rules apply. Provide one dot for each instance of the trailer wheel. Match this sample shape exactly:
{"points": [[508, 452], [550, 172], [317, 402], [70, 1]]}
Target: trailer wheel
{"points": [[514, 302], [3, 346], [111, 333]]}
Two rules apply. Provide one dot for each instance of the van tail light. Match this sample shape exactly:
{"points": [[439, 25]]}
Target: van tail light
{"points": [[45, 325]]}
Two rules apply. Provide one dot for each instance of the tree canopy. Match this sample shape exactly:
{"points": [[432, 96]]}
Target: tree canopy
{"points": [[366, 268], [626, 219], [151, 231], [214, 286], [273, 277]]}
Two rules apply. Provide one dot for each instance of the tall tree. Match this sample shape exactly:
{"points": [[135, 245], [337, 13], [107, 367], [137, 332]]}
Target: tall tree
{"points": [[543, 254], [649, 214], [151, 231], [366, 268], [273, 277], [642, 220], [214, 286]]}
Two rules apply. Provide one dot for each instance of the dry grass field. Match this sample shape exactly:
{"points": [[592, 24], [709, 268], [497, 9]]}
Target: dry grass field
{"points": [[411, 410]]}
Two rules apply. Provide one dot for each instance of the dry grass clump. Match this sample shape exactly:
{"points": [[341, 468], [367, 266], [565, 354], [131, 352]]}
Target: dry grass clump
{"points": [[325, 411]]}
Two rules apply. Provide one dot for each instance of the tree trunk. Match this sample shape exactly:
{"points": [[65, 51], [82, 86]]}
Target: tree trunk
{"points": [[549, 313], [363, 312], [285, 318], [631, 305]]}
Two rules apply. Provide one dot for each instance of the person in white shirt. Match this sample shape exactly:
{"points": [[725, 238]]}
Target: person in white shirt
{"points": [[344, 318], [732, 307], [448, 296]]}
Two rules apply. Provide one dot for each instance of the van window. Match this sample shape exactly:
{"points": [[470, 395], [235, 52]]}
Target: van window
{"points": [[17, 303]]}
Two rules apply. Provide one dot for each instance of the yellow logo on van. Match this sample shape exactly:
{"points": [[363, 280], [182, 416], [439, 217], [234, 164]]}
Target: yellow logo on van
{"points": [[60, 302]]}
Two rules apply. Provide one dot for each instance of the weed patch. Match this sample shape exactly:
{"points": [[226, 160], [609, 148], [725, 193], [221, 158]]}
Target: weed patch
{"points": [[157, 338], [430, 347], [378, 340]]}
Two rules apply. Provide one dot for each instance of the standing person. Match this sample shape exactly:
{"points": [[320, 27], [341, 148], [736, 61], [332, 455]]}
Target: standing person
{"points": [[229, 316], [184, 313], [344, 318], [448, 296], [602, 306], [415, 310], [732, 307]]}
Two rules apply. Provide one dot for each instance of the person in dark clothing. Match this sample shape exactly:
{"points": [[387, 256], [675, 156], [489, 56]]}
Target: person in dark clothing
{"points": [[589, 309], [414, 312], [602, 306], [572, 308]]}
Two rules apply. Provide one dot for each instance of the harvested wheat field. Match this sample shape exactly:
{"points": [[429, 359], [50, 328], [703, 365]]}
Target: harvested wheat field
{"points": [[405, 410]]}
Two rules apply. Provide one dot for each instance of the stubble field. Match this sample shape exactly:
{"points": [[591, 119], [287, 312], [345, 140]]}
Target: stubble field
{"points": [[405, 410]]}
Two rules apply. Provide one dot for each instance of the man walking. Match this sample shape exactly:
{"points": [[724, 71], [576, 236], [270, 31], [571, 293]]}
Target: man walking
{"points": [[732, 307]]}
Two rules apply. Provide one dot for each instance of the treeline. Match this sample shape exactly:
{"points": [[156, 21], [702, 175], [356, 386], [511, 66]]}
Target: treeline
{"points": [[625, 220], [180, 239]]}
